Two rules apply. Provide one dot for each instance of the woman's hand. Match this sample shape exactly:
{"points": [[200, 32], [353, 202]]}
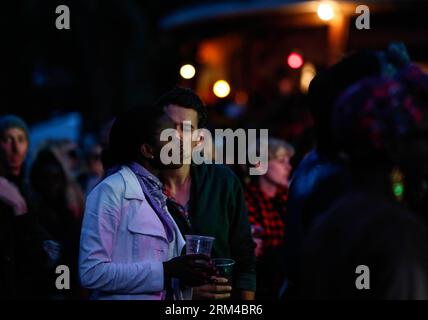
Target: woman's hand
{"points": [[10, 195], [216, 290], [193, 270]]}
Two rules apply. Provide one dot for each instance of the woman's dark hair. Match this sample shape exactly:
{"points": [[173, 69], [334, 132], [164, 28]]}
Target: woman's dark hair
{"points": [[44, 159], [184, 97], [130, 130]]}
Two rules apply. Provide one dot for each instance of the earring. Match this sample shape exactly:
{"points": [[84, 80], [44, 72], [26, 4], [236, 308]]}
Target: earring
{"points": [[397, 179]]}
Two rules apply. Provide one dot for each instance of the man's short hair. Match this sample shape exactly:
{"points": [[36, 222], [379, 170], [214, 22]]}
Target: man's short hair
{"points": [[186, 98]]}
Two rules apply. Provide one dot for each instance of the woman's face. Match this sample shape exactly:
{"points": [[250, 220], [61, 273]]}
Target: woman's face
{"points": [[279, 168], [13, 147]]}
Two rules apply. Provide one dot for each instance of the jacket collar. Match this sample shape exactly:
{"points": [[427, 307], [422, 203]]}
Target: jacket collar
{"points": [[132, 186]]}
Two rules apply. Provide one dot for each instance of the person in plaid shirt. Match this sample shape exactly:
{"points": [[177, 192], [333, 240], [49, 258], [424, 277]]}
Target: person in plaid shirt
{"points": [[265, 199]]}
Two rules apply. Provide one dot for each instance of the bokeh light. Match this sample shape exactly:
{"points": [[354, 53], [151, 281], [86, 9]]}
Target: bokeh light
{"points": [[308, 73], [295, 60], [187, 71], [221, 89], [325, 11]]}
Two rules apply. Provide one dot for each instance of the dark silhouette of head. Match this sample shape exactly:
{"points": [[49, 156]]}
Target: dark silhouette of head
{"points": [[328, 85], [131, 130]]}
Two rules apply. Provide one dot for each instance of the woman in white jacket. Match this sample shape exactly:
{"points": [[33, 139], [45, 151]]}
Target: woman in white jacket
{"points": [[130, 247]]}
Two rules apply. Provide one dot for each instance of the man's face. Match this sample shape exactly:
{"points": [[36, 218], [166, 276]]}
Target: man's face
{"points": [[174, 118], [13, 147]]}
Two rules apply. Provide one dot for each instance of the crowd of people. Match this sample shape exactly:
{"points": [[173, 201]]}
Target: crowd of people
{"points": [[359, 198]]}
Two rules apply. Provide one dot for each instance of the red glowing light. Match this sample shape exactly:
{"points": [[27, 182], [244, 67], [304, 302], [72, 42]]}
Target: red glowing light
{"points": [[295, 60]]}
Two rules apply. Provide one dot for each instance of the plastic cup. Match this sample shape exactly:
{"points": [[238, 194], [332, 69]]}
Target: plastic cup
{"points": [[224, 268], [199, 244]]}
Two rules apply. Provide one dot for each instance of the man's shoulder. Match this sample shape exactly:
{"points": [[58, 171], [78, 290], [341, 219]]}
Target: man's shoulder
{"points": [[216, 172], [220, 169]]}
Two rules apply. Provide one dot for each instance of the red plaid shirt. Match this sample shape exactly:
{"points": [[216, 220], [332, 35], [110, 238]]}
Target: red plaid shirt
{"points": [[267, 213]]}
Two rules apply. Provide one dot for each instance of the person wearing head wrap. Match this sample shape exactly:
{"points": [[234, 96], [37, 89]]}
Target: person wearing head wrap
{"points": [[308, 198], [380, 127]]}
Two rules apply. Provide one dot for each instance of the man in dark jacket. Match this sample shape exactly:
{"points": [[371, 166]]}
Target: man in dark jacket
{"points": [[208, 200]]}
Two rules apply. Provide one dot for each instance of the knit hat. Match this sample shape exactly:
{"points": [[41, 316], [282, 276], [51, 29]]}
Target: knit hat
{"points": [[376, 115], [11, 121]]}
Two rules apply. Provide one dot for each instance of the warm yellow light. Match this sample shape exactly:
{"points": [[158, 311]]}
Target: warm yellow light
{"points": [[308, 73], [325, 11], [221, 89], [187, 71]]}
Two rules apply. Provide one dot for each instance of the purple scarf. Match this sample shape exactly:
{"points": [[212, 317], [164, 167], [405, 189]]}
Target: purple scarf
{"points": [[152, 189]]}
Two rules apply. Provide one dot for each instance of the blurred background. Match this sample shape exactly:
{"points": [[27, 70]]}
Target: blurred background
{"points": [[251, 60]]}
